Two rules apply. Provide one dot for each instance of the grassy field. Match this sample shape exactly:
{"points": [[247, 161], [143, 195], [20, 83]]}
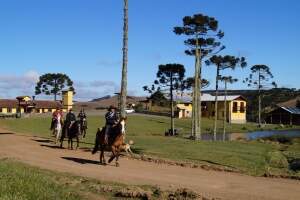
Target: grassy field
{"points": [[148, 134], [23, 182]]}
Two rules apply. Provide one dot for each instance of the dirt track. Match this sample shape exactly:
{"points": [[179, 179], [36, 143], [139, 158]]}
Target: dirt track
{"points": [[43, 153]]}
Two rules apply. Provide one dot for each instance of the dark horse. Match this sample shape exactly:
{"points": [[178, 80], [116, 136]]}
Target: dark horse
{"points": [[73, 132], [116, 140]]}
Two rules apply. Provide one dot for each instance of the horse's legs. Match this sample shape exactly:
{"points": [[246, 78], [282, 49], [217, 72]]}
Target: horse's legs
{"points": [[113, 150], [62, 140], [77, 140], [102, 153], [117, 157], [84, 132]]}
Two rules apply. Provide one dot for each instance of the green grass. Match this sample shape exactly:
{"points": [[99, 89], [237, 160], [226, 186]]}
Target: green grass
{"points": [[20, 181], [148, 134]]}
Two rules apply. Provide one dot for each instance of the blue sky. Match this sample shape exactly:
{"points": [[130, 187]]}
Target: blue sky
{"points": [[84, 40]]}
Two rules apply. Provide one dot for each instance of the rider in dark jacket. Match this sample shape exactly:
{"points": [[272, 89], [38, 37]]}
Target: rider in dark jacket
{"points": [[70, 119], [111, 118]]}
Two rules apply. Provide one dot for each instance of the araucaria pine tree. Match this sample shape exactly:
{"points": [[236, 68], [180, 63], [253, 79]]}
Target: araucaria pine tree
{"points": [[221, 63], [125, 60], [169, 78], [202, 39], [260, 78]]}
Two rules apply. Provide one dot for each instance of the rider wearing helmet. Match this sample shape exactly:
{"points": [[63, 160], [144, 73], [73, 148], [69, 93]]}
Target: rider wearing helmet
{"points": [[56, 115], [70, 119], [111, 119]]}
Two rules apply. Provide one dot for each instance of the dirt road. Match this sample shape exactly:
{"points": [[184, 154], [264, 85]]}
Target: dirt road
{"points": [[43, 153]]}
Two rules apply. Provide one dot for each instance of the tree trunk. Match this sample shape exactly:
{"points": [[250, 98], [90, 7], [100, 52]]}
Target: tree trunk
{"points": [[194, 105], [216, 103], [259, 100], [172, 106], [225, 112], [124, 66], [196, 112]]}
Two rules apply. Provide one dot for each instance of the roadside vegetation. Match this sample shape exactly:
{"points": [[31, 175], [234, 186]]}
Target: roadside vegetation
{"points": [[21, 182], [147, 132]]}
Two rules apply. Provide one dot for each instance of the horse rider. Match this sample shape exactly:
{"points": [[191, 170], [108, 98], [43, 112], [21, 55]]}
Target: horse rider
{"points": [[56, 115], [111, 119], [70, 119], [82, 117]]}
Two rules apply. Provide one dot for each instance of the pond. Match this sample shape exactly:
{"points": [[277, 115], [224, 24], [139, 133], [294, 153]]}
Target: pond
{"points": [[260, 134], [251, 135]]}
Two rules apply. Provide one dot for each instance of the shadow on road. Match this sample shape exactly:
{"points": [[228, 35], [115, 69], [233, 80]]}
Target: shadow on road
{"points": [[81, 160], [42, 140], [50, 146], [6, 133]]}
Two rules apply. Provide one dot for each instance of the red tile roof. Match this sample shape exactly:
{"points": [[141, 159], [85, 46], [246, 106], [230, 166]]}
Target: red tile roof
{"points": [[11, 103]]}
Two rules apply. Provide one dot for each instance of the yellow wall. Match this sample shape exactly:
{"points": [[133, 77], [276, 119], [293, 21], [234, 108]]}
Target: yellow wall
{"points": [[4, 110], [14, 110], [237, 117], [53, 110], [67, 99], [185, 110]]}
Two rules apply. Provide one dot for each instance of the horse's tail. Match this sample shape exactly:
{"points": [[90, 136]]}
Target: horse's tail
{"points": [[97, 141]]}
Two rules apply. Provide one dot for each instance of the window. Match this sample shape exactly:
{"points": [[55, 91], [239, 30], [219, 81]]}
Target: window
{"points": [[242, 107], [235, 107], [9, 110], [186, 104], [1, 110]]}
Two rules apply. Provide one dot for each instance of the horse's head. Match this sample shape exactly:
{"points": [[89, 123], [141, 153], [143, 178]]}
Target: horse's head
{"points": [[123, 125]]}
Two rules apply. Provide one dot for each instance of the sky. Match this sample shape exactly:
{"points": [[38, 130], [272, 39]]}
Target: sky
{"points": [[84, 40]]}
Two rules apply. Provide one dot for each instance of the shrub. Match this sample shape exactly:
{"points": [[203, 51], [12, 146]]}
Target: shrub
{"points": [[295, 165], [277, 160], [279, 138]]}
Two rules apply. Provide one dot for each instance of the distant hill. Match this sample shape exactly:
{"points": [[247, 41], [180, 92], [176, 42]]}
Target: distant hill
{"points": [[101, 98], [105, 102]]}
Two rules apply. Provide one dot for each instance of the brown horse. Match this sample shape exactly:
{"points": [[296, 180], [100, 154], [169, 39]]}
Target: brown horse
{"points": [[116, 140]]}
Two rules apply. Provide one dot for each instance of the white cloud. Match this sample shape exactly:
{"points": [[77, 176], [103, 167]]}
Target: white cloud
{"points": [[14, 85], [94, 89], [17, 85]]}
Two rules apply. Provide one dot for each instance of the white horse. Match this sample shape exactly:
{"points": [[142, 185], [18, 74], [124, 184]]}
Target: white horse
{"points": [[57, 129]]}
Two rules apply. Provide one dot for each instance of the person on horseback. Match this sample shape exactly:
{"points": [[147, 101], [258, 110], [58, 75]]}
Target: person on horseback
{"points": [[82, 117], [83, 122], [56, 115], [70, 119], [111, 119]]}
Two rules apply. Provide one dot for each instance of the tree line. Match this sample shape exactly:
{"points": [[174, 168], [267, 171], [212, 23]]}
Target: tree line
{"points": [[203, 40]]}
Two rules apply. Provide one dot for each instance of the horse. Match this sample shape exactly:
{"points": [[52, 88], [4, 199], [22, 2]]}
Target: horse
{"points": [[73, 132], [57, 129], [83, 126], [116, 140]]}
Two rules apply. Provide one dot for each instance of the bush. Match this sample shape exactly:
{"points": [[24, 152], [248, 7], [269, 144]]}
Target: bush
{"points": [[139, 107], [295, 165], [277, 160], [279, 138]]}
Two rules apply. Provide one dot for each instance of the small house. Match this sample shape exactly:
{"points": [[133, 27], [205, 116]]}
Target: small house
{"points": [[236, 107]]}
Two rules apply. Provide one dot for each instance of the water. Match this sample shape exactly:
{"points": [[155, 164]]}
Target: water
{"points": [[260, 134], [251, 135]]}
